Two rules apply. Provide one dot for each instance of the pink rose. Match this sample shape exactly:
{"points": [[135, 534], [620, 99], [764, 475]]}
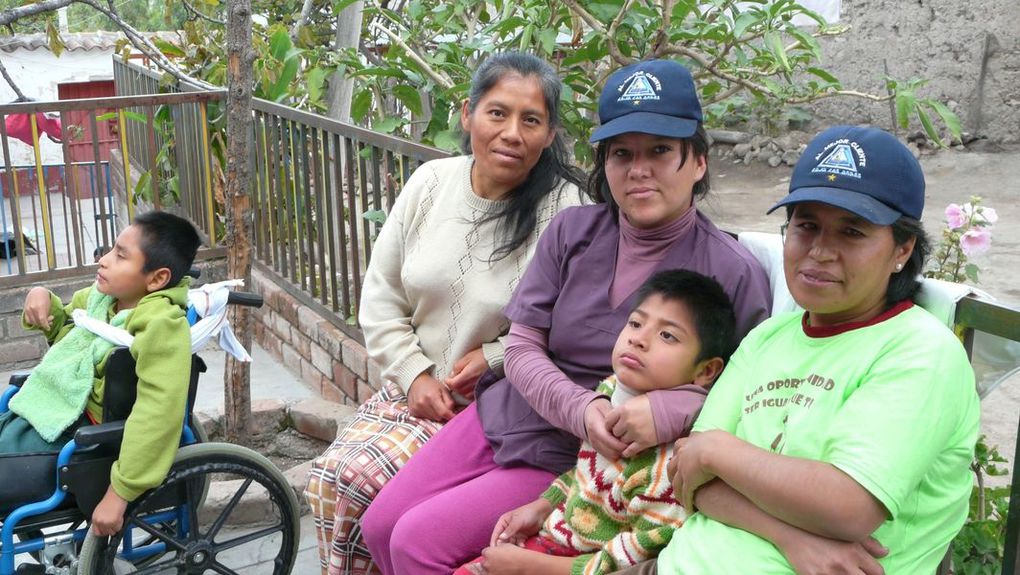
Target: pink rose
{"points": [[975, 241], [956, 216]]}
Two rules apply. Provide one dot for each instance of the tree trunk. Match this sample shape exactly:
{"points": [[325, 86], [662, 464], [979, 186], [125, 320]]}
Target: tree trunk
{"points": [[240, 55], [341, 88]]}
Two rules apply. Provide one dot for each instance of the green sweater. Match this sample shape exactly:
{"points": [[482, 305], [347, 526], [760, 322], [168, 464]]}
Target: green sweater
{"points": [[162, 352]]}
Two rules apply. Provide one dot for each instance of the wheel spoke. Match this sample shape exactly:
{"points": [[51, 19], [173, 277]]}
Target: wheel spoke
{"points": [[222, 519], [177, 561], [192, 506], [158, 534], [218, 547], [220, 568]]}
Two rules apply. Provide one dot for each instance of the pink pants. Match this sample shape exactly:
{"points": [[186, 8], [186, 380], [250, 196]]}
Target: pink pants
{"points": [[439, 510]]}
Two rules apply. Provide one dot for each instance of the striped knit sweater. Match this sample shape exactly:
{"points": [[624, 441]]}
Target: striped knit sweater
{"points": [[616, 513]]}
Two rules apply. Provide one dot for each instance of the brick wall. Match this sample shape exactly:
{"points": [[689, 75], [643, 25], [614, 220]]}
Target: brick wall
{"points": [[312, 347], [21, 348]]}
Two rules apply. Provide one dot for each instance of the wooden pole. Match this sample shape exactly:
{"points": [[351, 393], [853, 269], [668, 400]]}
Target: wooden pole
{"points": [[240, 55]]}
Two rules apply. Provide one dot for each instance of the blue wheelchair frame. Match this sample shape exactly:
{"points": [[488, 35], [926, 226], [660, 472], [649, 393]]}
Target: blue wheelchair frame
{"points": [[9, 549]]}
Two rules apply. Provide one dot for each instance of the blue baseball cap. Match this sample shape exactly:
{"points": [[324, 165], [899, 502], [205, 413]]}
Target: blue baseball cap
{"points": [[655, 97], [862, 170]]}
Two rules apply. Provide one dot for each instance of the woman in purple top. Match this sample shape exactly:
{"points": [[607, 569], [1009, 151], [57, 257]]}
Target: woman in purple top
{"points": [[522, 431]]}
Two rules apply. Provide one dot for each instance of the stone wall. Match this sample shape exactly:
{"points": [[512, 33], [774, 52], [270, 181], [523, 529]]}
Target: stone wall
{"points": [[323, 356], [970, 52]]}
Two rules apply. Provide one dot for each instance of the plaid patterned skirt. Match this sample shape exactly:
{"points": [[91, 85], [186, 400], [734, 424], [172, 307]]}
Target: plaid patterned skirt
{"points": [[343, 480]]}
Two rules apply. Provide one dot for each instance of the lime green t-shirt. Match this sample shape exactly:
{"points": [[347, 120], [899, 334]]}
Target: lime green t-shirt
{"points": [[891, 404]]}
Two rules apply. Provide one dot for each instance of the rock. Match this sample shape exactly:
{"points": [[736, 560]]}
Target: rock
{"points": [[790, 157], [252, 508], [269, 416], [729, 136], [759, 141], [774, 161], [319, 418], [792, 140], [741, 150], [297, 477]]}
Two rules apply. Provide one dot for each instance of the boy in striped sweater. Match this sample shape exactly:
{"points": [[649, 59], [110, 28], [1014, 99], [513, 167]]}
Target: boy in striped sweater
{"points": [[608, 514]]}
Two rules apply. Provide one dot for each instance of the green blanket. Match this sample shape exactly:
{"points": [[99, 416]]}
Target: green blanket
{"points": [[54, 396]]}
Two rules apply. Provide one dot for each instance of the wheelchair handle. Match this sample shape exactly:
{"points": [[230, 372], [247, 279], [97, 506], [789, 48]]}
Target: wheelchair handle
{"points": [[244, 298]]}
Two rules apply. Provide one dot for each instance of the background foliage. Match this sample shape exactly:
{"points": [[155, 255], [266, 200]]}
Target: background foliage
{"points": [[412, 67]]}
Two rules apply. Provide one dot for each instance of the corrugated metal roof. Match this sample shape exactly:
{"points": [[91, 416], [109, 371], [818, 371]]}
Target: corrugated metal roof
{"points": [[75, 42]]}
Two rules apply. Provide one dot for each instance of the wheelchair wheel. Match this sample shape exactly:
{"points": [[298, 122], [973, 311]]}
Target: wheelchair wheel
{"points": [[252, 519]]}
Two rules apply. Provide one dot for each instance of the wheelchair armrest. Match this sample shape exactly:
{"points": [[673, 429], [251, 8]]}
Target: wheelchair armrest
{"points": [[101, 434], [18, 379]]}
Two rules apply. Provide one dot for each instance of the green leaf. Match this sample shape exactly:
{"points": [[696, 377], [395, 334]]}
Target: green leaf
{"points": [[128, 114], [143, 189], [279, 88], [951, 120], [824, 75], [409, 96], [361, 103], [447, 140], [387, 125], [742, 22], [971, 270], [929, 128], [56, 43], [315, 82], [904, 104], [280, 44], [168, 48], [306, 37], [375, 216], [547, 39], [775, 45]]}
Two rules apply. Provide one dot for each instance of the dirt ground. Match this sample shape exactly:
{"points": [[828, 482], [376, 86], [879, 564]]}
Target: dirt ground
{"points": [[741, 194]]}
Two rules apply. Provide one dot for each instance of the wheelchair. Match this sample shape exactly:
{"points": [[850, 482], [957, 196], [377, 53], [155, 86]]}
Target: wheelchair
{"points": [[47, 500]]}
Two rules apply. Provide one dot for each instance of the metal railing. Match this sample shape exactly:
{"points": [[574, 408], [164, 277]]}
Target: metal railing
{"points": [[313, 180], [65, 210]]}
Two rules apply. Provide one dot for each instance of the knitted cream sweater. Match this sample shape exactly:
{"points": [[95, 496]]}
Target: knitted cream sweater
{"points": [[431, 294]]}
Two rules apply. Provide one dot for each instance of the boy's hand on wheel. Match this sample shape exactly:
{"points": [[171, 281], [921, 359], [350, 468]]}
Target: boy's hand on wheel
{"points": [[37, 308], [108, 518]]}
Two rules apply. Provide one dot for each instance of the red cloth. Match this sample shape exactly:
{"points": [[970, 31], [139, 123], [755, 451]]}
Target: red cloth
{"points": [[534, 543], [19, 126]]}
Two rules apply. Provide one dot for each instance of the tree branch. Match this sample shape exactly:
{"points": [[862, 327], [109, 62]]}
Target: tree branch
{"points": [[146, 47], [590, 20], [437, 77], [196, 12], [10, 81], [11, 15], [614, 49], [306, 14]]}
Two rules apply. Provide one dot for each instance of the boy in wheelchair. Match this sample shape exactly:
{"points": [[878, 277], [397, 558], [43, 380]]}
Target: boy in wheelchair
{"points": [[141, 287]]}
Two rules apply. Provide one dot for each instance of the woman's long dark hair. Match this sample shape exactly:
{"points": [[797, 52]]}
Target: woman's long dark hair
{"points": [[517, 215], [904, 284], [598, 185]]}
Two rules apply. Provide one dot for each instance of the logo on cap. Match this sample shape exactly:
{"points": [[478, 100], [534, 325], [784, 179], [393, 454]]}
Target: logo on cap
{"points": [[639, 86], [842, 159]]}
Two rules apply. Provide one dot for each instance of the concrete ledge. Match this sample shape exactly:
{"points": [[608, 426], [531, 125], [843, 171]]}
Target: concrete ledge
{"points": [[315, 418]]}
